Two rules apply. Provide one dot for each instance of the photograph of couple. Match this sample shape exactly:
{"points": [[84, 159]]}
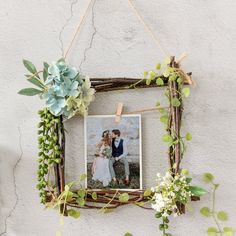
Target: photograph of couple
{"points": [[113, 152]]}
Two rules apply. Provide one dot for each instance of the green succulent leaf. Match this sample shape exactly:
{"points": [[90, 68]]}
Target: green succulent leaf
{"points": [[175, 102], [207, 177], [186, 92], [211, 231], [128, 234], [167, 61], [159, 81], [148, 81], [197, 191], [145, 74], [29, 91], [30, 66], [188, 137], [80, 201], [205, 211], [124, 197], [222, 215], [228, 231], [73, 213], [185, 171], [81, 193]]}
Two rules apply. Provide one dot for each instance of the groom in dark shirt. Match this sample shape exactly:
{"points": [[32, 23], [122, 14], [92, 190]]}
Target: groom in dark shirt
{"points": [[119, 153]]}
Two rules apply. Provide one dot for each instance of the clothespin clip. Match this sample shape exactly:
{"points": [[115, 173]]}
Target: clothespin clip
{"points": [[118, 112]]}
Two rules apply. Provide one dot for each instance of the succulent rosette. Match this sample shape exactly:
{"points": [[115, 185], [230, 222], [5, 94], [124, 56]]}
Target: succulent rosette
{"points": [[65, 90]]}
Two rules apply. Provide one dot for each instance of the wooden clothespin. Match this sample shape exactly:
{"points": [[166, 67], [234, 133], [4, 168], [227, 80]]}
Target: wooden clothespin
{"points": [[118, 112]]}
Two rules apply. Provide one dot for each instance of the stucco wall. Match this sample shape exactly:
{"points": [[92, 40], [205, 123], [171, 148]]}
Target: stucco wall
{"points": [[114, 43]]}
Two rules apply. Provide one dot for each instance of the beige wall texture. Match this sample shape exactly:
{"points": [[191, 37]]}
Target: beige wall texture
{"points": [[114, 43]]}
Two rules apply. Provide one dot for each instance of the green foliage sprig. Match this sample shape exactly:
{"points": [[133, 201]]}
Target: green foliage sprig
{"points": [[49, 149], [217, 216]]}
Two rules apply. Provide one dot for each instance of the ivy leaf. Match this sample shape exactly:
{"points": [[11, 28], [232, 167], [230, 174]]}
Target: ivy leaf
{"points": [[223, 216], [164, 119], [212, 231], [207, 177], [83, 177], [124, 197], [128, 234], [188, 137], [30, 66], [80, 201], [159, 81], [94, 196], [175, 102], [197, 191], [205, 211], [228, 231], [145, 74], [147, 193], [185, 171], [167, 138], [81, 192], [29, 91], [158, 66], [148, 81], [186, 92], [73, 213]]}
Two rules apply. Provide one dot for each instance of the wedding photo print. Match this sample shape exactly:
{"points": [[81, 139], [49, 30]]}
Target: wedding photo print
{"points": [[113, 153]]}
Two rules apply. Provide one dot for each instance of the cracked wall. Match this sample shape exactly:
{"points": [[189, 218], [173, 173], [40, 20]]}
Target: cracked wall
{"points": [[114, 43]]}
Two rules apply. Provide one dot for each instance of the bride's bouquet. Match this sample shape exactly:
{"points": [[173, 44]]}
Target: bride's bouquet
{"points": [[107, 153]]}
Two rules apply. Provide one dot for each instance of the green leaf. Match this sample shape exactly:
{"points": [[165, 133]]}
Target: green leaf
{"points": [[175, 102], [159, 81], [29, 91], [124, 197], [80, 201], [188, 137], [83, 177], [29, 66], [81, 192], [189, 180], [128, 234], [45, 70], [158, 66], [148, 81], [173, 77], [205, 211], [211, 231], [228, 231], [186, 92], [167, 138], [222, 215], [164, 119], [152, 75], [145, 74], [94, 196], [207, 177], [197, 191], [147, 193], [73, 213], [34, 80], [179, 80], [167, 61], [158, 104], [185, 172]]}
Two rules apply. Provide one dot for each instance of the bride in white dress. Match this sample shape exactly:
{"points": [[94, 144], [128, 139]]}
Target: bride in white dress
{"points": [[100, 167]]}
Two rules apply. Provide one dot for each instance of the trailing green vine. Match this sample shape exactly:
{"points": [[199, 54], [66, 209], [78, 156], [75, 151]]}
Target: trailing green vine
{"points": [[211, 211]]}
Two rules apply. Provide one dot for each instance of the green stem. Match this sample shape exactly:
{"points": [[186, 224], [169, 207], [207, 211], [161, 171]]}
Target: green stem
{"points": [[213, 210]]}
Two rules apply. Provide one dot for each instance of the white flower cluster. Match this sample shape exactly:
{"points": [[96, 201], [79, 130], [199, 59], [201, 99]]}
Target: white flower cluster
{"points": [[168, 191]]}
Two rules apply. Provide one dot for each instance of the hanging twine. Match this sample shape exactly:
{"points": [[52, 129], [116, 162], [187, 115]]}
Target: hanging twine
{"points": [[148, 28], [78, 29]]}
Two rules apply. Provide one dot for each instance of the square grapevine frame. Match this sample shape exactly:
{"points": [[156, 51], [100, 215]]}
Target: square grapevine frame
{"points": [[68, 93], [109, 199]]}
